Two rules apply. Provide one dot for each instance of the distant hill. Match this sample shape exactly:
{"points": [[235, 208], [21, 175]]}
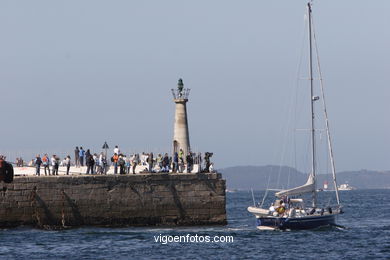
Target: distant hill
{"points": [[257, 177]]}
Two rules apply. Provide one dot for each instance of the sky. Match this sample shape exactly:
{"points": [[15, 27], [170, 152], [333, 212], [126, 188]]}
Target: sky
{"points": [[83, 72]]}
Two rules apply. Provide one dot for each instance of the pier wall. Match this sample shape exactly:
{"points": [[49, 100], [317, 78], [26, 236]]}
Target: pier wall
{"points": [[113, 200]]}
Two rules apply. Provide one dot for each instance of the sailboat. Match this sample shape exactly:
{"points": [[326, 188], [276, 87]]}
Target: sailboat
{"points": [[289, 211]]}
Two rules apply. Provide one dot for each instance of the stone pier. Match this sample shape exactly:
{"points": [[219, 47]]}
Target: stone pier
{"points": [[113, 200]]}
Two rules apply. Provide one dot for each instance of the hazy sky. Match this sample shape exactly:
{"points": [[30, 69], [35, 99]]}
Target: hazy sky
{"points": [[82, 72]]}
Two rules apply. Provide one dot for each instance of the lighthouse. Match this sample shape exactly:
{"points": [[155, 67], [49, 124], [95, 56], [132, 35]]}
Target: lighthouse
{"points": [[181, 137]]}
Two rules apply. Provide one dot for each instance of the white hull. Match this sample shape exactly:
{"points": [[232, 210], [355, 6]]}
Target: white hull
{"points": [[346, 187]]}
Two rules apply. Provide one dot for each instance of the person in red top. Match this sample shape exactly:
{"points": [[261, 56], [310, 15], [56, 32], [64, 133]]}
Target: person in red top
{"points": [[46, 163], [114, 160]]}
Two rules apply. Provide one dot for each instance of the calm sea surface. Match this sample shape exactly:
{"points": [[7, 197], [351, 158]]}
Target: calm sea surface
{"points": [[366, 236]]}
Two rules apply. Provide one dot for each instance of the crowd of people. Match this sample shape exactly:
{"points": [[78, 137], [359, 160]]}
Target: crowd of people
{"points": [[48, 163], [98, 163]]}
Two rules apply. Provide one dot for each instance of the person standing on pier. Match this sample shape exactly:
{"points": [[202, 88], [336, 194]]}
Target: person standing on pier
{"points": [[150, 162], [175, 162], [128, 164], [6, 170], [199, 162], [38, 162], [165, 163], [67, 164], [55, 163], [207, 156], [90, 162], [181, 156], [159, 160], [190, 162], [87, 154], [81, 156], [77, 156], [114, 160], [211, 168], [45, 162], [122, 164], [116, 150], [96, 163], [181, 161], [102, 164], [134, 161]]}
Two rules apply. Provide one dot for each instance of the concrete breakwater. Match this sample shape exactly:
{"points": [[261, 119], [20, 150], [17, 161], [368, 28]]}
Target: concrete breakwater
{"points": [[114, 200]]}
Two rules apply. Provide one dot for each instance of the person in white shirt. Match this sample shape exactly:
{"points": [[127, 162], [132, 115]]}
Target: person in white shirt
{"points": [[96, 165], [55, 163], [116, 150], [134, 162], [101, 163], [144, 158], [211, 169]]}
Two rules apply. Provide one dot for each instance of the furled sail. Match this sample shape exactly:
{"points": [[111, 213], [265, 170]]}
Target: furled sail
{"points": [[308, 187]]}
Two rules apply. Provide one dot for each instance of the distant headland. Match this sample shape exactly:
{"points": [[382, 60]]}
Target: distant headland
{"points": [[256, 177]]}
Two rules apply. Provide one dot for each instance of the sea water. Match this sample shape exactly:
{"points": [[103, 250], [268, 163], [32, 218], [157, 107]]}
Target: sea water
{"points": [[365, 234]]}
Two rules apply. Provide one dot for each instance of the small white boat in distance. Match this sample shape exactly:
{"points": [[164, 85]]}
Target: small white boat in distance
{"points": [[346, 187]]}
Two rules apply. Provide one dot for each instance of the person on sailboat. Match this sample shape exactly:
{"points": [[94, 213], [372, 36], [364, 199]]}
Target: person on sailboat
{"points": [[281, 209], [286, 200], [272, 210]]}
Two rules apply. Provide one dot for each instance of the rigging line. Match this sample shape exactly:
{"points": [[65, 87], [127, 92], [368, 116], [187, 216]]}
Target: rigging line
{"points": [[326, 119], [288, 178], [327, 165], [298, 110], [306, 156], [284, 145], [265, 196], [266, 190], [293, 112], [253, 198], [269, 180], [318, 145], [300, 61]]}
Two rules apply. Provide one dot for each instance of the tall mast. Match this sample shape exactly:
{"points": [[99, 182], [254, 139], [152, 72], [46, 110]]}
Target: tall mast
{"points": [[330, 146], [313, 146]]}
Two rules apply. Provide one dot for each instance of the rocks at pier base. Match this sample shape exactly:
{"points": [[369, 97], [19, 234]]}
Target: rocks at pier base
{"points": [[114, 200]]}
